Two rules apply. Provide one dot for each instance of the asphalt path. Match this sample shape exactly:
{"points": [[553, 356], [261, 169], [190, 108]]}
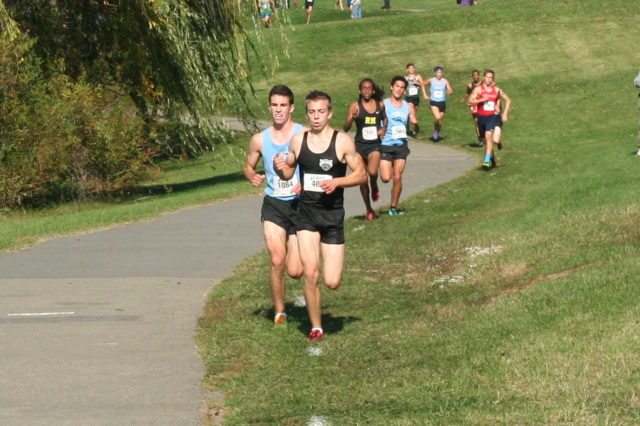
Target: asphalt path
{"points": [[97, 329]]}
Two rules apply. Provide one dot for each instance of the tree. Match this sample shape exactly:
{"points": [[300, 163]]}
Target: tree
{"points": [[91, 90], [183, 61]]}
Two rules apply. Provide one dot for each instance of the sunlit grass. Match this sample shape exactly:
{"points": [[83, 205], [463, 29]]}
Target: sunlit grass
{"points": [[503, 297]]}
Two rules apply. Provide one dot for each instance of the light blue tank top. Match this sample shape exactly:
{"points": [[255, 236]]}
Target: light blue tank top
{"points": [[438, 90], [397, 119], [276, 187]]}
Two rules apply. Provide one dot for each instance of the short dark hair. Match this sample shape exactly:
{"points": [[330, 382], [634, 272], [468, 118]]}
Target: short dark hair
{"points": [[410, 65], [475, 71], [317, 94], [282, 90], [487, 71], [399, 78]]}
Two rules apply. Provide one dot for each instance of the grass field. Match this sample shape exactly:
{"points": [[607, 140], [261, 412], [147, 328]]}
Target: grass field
{"points": [[504, 297]]}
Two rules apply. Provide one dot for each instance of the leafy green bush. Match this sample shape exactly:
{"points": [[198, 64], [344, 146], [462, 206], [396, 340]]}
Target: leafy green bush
{"points": [[62, 139]]}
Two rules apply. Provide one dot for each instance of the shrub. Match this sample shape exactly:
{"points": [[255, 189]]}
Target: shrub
{"points": [[62, 139]]}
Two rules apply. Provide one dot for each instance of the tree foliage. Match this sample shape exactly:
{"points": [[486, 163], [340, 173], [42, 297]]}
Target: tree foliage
{"points": [[184, 59], [168, 67]]}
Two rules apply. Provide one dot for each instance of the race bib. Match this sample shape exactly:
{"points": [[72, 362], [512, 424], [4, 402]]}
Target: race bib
{"points": [[312, 181], [370, 133], [413, 91], [489, 106], [438, 94], [284, 188], [399, 132]]}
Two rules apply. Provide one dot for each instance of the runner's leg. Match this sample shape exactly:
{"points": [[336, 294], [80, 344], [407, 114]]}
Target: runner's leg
{"points": [[294, 264], [275, 238], [309, 246], [396, 188], [332, 264], [373, 165]]}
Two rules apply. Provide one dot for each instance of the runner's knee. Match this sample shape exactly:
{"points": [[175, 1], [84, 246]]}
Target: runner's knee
{"points": [[333, 283]]}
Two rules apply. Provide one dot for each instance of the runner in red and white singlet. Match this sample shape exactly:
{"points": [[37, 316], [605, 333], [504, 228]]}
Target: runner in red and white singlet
{"points": [[488, 98]]}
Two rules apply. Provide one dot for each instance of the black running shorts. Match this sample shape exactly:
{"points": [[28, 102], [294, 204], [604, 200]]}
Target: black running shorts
{"points": [[398, 152], [282, 213], [442, 106], [413, 100], [364, 149], [308, 3], [329, 223]]}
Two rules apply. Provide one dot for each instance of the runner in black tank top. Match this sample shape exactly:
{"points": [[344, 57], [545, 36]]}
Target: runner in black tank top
{"points": [[314, 168], [323, 156], [367, 124], [369, 127]]}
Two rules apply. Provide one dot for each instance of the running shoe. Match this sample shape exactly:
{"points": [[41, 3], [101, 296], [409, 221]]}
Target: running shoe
{"points": [[315, 335], [280, 318], [486, 164], [375, 196], [395, 212], [638, 153], [499, 145], [370, 216]]}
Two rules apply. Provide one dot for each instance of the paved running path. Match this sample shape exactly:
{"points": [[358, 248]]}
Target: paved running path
{"points": [[119, 348]]}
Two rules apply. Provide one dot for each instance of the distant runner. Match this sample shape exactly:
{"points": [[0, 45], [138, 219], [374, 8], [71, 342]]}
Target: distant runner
{"points": [[308, 8], [415, 85], [475, 82], [368, 114], [323, 155], [265, 7], [486, 97], [439, 88], [280, 202], [395, 144]]}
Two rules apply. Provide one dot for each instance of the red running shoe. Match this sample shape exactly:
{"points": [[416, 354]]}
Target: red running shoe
{"points": [[370, 216], [375, 196], [315, 335]]}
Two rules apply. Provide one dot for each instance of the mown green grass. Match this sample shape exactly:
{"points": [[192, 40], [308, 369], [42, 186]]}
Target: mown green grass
{"points": [[506, 297], [174, 185]]}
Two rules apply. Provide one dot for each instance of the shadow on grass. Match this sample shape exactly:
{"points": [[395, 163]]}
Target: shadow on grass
{"points": [[298, 315]]}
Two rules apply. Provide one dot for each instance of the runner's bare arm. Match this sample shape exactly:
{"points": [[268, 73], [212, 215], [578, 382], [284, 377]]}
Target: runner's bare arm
{"points": [[286, 168], [507, 106], [475, 98], [424, 89], [253, 156], [464, 98], [352, 113], [449, 88], [346, 149], [413, 118], [383, 116]]}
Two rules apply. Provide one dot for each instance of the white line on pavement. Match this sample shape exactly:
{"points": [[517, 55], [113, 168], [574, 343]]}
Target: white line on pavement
{"points": [[40, 314]]}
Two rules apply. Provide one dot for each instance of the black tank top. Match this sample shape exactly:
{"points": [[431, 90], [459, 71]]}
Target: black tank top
{"points": [[315, 168], [367, 124]]}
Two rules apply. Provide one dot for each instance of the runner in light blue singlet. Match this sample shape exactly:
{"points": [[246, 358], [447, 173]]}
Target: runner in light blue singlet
{"points": [[276, 187], [439, 88], [394, 148], [397, 119]]}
